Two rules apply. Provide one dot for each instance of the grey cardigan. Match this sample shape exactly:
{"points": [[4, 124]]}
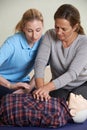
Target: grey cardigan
{"points": [[68, 65]]}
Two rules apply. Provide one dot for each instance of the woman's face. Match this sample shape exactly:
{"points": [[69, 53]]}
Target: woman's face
{"points": [[33, 31], [64, 30]]}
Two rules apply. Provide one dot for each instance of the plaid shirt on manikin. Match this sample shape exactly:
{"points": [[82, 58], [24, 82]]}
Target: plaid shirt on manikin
{"points": [[24, 110]]}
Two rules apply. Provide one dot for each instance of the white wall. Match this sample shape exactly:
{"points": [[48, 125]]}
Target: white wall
{"points": [[11, 12]]}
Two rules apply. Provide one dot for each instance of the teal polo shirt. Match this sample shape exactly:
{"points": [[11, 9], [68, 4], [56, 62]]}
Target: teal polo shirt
{"points": [[17, 58]]}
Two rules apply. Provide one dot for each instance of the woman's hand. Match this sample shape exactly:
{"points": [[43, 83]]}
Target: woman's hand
{"points": [[41, 94], [20, 85], [19, 91]]}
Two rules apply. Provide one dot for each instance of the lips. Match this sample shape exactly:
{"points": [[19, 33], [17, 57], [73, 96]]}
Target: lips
{"points": [[60, 37]]}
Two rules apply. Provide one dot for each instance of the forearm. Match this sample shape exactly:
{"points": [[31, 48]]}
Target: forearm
{"points": [[4, 82], [50, 86], [39, 82], [32, 82], [65, 79]]}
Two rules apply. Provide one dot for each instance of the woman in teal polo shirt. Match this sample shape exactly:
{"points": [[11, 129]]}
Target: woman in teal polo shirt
{"points": [[18, 53]]}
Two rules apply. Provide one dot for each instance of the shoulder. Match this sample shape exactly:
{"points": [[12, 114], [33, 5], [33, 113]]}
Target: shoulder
{"points": [[81, 42], [14, 39], [15, 36], [82, 38], [51, 34]]}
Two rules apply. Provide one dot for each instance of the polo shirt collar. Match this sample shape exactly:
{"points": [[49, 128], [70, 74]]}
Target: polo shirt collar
{"points": [[25, 44]]}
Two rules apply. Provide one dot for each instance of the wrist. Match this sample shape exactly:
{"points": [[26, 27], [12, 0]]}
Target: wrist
{"points": [[51, 86], [9, 85]]}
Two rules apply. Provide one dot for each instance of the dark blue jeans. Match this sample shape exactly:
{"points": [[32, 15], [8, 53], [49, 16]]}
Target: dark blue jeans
{"points": [[4, 91]]}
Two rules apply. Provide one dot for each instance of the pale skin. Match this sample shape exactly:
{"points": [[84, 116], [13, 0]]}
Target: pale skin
{"points": [[76, 103], [66, 33], [33, 31]]}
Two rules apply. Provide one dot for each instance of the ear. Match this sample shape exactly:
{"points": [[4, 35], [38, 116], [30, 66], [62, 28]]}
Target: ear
{"points": [[75, 27], [72, 112]]}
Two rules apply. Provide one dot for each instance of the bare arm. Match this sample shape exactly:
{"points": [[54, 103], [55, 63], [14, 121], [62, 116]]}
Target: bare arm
{"points": [[16, 86], [42, 93], [39, 82], [32, 84], [4, 82]]}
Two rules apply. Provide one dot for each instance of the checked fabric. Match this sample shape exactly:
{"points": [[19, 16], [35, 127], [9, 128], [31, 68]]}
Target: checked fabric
{"points": [[24, 110]]}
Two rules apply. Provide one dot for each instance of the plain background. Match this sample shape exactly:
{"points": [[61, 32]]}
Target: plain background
{"points": [[11, 12]]}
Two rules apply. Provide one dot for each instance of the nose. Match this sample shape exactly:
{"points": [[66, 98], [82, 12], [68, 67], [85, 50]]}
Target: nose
{"points": [[34, 35], [59, 31]]}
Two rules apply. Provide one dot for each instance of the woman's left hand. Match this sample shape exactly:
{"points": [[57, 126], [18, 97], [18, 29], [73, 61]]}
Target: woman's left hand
{"points": [[22, 87], [41, 94]]}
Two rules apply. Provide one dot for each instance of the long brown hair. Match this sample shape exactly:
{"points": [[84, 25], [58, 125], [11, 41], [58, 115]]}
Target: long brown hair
{"points": [[29, 15], [70, 13]]}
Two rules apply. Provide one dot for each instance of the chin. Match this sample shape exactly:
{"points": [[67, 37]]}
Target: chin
{"points": [[61, 38]]}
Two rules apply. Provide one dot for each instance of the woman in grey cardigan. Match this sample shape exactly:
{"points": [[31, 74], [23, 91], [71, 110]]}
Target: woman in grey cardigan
{"points": [[65, 49]]}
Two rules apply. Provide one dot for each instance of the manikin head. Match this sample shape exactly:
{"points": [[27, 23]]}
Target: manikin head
{"points": [[78, 107]]}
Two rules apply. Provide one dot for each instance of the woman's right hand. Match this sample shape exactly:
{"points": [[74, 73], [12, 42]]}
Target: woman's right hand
{"points": [[20, 85], [41, 94]]}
